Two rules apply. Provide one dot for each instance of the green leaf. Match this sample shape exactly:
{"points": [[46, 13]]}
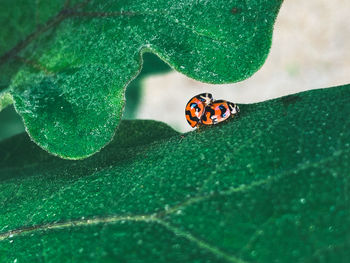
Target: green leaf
{"points": [[271, 185], [67, 63], [151, 65]]}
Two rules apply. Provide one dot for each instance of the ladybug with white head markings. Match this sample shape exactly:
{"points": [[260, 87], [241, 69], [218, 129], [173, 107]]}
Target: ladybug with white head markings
{"points": [[218, 111], [195, 108], [203, 110]]}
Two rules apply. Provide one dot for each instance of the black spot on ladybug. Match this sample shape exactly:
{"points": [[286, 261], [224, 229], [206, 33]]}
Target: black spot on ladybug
{"points": [[211, 113], [193, 118], [194, 105], [223, 110]]}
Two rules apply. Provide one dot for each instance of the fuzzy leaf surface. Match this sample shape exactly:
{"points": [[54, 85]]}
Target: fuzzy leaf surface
{"points": [[67, 63], [271, 185]]}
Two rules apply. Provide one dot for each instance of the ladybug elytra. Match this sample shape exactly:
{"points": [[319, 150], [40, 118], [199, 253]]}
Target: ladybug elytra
{"points": [[202, 110], [195, 108], [218, 111]]}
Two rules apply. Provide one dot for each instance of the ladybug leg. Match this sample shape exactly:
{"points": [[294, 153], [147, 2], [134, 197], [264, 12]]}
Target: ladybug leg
{"points": [[234, 115], [198, 126]]}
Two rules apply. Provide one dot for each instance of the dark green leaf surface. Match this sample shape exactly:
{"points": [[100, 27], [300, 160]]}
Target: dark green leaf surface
{"points": [[10, 123], [271, 185], [67, 62]]}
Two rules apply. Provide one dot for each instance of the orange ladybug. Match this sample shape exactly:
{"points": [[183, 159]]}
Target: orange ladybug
{"points": [[195, 108], [218, 111]]}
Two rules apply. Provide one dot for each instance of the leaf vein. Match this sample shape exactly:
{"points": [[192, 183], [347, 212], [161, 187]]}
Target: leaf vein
{"points": [[244, 188], [75, 223], [200, 243]]}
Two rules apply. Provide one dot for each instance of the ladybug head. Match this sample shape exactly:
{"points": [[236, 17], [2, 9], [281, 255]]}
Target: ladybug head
{"points": [[206, 98], [233, 108]]}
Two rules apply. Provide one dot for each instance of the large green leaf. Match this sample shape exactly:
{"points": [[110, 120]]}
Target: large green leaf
{"points": [[271, 185], [67, 62]]}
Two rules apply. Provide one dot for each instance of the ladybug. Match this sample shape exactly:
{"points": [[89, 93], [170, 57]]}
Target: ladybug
{"points": [[218, 111], [195, 108]]}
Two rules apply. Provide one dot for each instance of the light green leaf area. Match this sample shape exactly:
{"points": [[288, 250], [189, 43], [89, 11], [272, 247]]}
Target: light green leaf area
{"points": [[67, 63], [271, 185], [5, 100], [133, 95]]}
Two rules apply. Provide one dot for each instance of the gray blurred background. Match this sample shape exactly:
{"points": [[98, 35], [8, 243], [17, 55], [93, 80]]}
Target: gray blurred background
{"points": [[310, 50]]}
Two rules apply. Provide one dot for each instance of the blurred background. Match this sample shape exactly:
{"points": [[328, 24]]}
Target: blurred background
{"points": [[310, 50]]}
